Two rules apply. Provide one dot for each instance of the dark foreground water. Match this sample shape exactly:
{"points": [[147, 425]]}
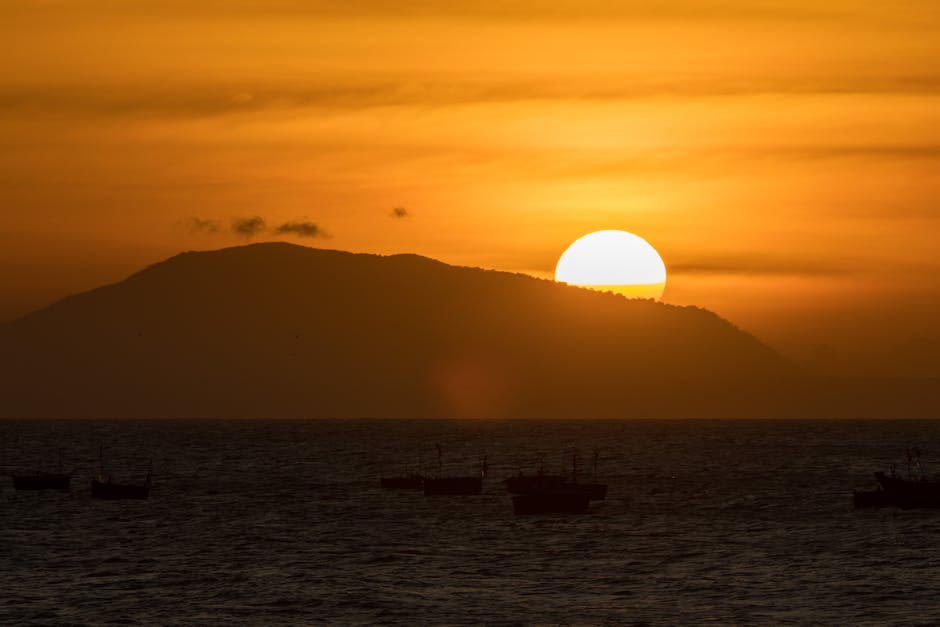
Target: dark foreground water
{"points": [[283, 523]]}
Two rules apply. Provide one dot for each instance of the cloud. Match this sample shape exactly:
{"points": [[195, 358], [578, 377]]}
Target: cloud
{"points": [[483, 10], [248, 227], [188, 99], [203, 225], [761, 266], [301, 229], [399, 212], [256, 225]]}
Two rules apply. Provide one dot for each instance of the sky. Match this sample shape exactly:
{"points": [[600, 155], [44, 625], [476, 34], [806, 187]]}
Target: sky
{"points": [[782, 156]]}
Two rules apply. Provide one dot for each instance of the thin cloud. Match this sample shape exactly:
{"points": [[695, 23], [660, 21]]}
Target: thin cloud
{"points": [[471, 9], [301, 229], [248, 227], [186, 99], [761, 266]]}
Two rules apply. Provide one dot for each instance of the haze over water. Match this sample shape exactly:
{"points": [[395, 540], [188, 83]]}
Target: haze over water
{"points": [[283, 522]]}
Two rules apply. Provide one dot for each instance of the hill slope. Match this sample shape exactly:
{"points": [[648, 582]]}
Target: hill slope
{"points": [[279, 330]]}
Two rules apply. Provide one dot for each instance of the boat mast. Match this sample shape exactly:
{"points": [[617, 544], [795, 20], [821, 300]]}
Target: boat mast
{"points": [[440, 462]]}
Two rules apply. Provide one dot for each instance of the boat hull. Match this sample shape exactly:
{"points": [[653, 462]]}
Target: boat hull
{"points": [[594, 491], [898, 492], [118, 492], [551, 503], [45, 481], [535, 483], [453, 486]]}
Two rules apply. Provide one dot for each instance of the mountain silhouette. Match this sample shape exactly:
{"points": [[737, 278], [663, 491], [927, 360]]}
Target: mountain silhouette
{"points": [[280, 330]]}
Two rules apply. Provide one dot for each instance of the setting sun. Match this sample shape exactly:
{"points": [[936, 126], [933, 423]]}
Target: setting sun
{"points": [[359, 310], [614, 260]]}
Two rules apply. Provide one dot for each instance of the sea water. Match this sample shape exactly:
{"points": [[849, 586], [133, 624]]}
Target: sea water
{"points": [[283, 522]]}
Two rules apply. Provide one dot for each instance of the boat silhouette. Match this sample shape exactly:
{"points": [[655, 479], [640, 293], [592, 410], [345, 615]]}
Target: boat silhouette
{"points": [[909, 493], [913, 492], [528, 484], [104, 487], [43, 480], [454, 486], [594, 491], [559, 497], [551, 502], [108, 490]]}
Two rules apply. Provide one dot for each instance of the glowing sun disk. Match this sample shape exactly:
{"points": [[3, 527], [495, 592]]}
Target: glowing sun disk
{"points": [[614, 260]]}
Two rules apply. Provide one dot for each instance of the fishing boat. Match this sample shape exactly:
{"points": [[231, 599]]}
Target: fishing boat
{"points": [[527, 484], [556, 493], [913, 492], [43, 480], [558, 496], [909, 493], [539, 482], [454, 486], [104, 487]]}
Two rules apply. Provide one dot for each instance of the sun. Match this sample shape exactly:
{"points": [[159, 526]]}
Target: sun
{"points": [[614, 260]]}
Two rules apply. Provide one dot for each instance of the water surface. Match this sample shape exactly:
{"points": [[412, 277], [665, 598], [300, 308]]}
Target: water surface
{"points": [[282, 522]]}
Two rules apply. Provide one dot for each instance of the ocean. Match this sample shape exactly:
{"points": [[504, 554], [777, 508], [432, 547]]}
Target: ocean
{"points": [[284, 523]]}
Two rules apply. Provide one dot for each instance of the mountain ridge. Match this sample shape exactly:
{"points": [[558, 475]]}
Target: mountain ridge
{"points": [[280, 330]]}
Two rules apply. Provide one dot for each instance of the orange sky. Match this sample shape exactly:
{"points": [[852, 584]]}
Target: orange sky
{"points": [[781, 155]]}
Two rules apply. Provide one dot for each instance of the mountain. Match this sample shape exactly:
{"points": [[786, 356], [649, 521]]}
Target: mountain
{"points": [[279, 330]]}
